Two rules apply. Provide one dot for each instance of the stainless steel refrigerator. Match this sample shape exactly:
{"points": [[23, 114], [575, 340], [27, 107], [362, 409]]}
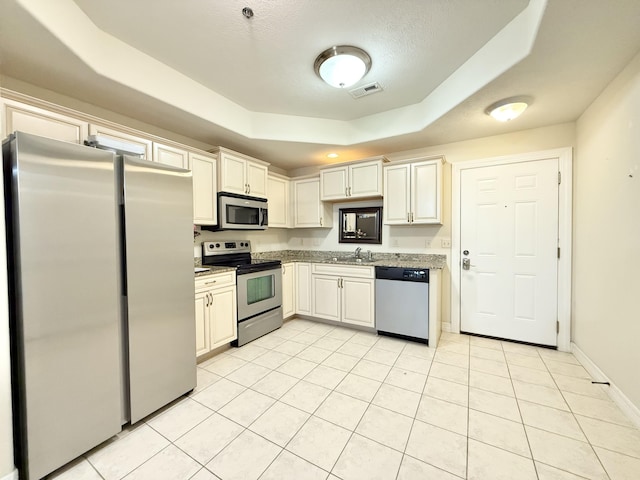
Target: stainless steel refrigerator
{"points": [[101, 293]]}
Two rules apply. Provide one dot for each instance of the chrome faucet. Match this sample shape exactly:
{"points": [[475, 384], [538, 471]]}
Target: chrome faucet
{"points": [[358, 250]]}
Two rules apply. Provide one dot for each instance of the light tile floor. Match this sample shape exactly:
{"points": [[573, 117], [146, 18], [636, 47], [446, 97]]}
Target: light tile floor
{"points": [[311, 401]]}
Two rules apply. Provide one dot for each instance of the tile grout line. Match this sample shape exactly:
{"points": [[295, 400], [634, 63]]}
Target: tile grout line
{"points": [[576, 420], [515, 396]]}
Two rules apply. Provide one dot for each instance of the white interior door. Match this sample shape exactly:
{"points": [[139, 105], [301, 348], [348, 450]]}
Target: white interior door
{"points": [[509, 237]]}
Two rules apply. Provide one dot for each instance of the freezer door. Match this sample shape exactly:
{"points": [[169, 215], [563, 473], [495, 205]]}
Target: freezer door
{"points": [[64, 299], [158, 210]]}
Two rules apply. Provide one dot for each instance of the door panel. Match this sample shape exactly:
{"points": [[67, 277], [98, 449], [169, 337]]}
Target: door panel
{"points": [[358, 301], [509, 225]]}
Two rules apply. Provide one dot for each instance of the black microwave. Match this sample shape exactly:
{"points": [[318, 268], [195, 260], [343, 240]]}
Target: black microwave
{"points": [[240, 212]]}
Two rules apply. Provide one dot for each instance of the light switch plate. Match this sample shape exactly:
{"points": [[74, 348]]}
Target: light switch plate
{"points": [[446, 243]]}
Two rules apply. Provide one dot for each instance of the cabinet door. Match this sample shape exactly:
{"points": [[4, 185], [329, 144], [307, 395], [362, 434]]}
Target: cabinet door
{"points": [[278, 190], [256, 180], [334, 183], [306, 203], [172, 156], [17, 116], [123, 137], [205, 211], [202, 322], [397, 198], [326, 297], [303, 288], [358, 301], [233, 175], [365, 179], [425, 191], [288, 289], [223, 326]]}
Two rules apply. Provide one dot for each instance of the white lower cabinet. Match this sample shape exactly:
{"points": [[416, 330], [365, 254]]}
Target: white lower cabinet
{"points": [[288, 289], [216, 318], [303, 288], [343, 293]]}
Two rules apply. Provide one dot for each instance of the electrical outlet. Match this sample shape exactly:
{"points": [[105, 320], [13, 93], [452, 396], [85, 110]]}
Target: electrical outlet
{"points": [[427, 243], [446, 243], [394, 242]]}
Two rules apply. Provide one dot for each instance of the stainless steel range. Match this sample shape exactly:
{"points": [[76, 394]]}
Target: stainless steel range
{"points": [[259, 285]]}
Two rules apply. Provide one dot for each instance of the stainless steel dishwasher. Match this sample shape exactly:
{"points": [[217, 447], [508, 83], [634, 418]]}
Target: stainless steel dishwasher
{"points": [[402, 302]]}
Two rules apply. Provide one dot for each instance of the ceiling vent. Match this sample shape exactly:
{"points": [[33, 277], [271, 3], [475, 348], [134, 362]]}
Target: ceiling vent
{"points": [[366, 90]]}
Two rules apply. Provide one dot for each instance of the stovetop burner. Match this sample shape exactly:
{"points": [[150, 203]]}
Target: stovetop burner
{"points": [[237, 254]]}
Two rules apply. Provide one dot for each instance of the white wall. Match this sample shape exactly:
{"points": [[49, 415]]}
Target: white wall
{"points": [[261, 241], [606, 261]]}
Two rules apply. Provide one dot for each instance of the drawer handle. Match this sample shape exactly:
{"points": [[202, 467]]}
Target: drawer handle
{"points": [[209, 283]]}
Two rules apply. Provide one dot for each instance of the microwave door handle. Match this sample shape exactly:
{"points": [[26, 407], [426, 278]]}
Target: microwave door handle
{"points": [[263, 216]]}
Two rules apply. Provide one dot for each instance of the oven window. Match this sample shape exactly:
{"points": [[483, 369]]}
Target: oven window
{"points": [[243, 215], [260, 288]]}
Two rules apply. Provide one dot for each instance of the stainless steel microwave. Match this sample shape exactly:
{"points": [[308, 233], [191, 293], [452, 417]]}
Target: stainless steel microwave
{"points": [[239, 212]]}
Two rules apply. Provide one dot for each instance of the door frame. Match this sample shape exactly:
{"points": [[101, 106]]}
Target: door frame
{"points": [[565, 192]]}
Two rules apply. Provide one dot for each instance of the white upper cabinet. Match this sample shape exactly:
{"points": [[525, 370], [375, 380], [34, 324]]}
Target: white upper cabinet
{"points": [[241, 174], [413, 193], [279, 209], [351, 181], [19, 117], [308, 210], [257, 179], [172, 156], [123, 137], [203, 168]]}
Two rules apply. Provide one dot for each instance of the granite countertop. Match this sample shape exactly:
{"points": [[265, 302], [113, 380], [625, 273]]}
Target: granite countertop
{"points": [[212, 270], [405, 260]]}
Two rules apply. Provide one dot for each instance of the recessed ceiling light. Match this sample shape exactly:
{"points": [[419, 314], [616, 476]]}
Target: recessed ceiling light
{"points": [[332, 155], [508, 109], [342, 66]]}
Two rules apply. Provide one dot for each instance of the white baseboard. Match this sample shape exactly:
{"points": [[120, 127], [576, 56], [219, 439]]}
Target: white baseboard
{"points": [[445, 326], [619, 398], [11, 475]]}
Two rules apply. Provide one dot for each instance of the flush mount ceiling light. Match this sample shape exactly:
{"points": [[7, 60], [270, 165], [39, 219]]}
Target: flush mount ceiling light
{"points": [[332, 155], [342, 66], [508, 109]]}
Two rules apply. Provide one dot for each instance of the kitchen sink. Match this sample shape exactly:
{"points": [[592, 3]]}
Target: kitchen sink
{"points": [[349, 260]]}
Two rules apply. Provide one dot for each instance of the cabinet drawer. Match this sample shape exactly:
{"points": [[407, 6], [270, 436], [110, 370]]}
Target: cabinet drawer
{"points": [[343, 270], [214, 281]]}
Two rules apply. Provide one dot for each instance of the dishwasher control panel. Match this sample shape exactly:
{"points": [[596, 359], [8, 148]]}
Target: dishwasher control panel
{"points": [[414, 274], [403, 274]]}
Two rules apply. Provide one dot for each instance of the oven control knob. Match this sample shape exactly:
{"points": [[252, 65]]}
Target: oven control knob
{"points": [[217, 245]]}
